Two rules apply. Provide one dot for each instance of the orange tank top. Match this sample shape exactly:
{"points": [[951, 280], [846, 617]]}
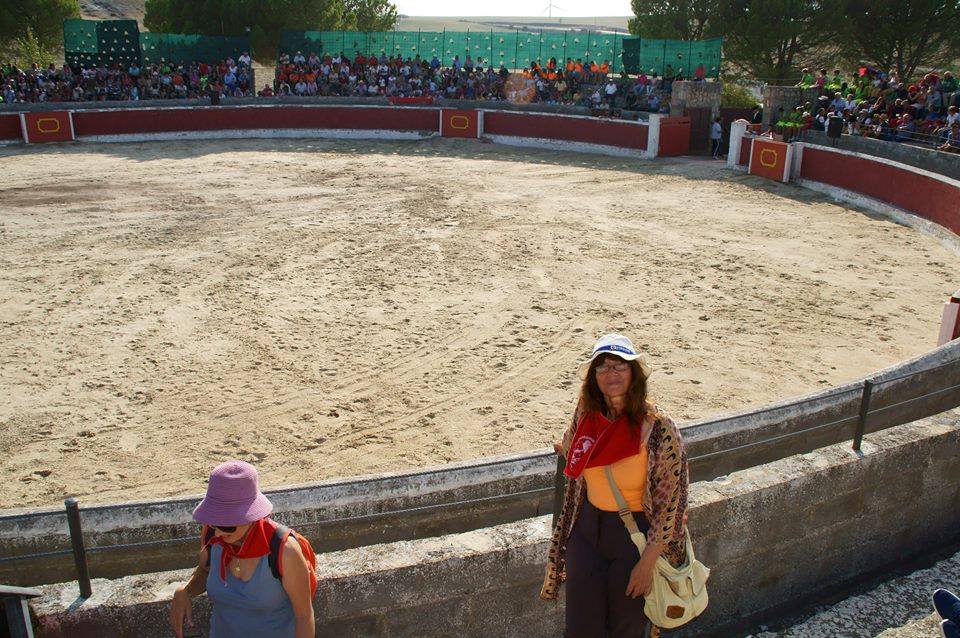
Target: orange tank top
{"points": [[630, 475]]}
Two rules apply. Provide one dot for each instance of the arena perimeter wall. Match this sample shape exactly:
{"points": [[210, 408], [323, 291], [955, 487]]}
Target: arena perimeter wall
{"points": [[777, 537], [521, 127], [346, 513]]}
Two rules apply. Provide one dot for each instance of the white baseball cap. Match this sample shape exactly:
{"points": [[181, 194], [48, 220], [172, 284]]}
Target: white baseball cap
{"points": [[614, 344]]}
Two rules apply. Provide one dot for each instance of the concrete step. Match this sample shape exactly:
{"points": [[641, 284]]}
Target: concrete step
{"points": [[897, 608]]}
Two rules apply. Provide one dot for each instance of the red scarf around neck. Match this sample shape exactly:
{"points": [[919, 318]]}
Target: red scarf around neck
{"points": [[255, 544], [599, 441]]}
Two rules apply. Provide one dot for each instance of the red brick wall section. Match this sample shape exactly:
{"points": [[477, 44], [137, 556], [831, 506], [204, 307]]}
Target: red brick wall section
{"points": [[135, 121], [10, 127], [674, 136], [567, 129], [928, 197], [460, 123], [745, 145]]}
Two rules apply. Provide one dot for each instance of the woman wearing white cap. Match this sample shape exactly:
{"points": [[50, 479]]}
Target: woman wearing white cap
{"points": [[617, 439]]}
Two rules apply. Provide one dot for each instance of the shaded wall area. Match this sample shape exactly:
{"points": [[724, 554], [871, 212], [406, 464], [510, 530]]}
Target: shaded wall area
{"points": [[776, 536]]}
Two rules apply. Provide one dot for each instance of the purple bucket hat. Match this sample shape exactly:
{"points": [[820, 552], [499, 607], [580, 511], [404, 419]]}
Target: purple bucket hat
{"points": [[233, 497]]}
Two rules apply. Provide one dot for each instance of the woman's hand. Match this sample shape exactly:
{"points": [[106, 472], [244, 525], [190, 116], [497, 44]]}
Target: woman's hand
{"points": [[558, 447], [641, 576], [181, 608]]}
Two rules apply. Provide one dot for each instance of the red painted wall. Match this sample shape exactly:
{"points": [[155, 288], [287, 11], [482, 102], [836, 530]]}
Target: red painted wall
{"points": [[674, 136], [232, 118], [925, 196], [10, 127], [745, 143], [567, 129], [460, 123]]}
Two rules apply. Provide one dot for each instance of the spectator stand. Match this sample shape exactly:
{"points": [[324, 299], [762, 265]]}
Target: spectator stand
{"points": [[112, 61], [872, 104]]}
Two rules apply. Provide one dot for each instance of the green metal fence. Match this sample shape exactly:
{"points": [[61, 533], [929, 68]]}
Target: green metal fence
{"points": [[672, 55], [182, 49], [95, 43], [109, 42], [515, 49]]}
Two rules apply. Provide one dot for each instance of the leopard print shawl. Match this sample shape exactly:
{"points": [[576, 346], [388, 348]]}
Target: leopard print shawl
{"points": [[665, 501]]}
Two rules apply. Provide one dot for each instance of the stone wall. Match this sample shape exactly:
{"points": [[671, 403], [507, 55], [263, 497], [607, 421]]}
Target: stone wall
{"points": [[695, 95], [788, 97], [776, 536], [345, 513]]}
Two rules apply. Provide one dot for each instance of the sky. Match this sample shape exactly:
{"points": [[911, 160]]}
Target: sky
{"points": [[524, 8]]}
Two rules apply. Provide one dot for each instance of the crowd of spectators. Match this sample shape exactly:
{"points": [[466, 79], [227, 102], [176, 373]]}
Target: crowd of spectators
{"points": [[881, 105], [163, 81], [574, 82]]}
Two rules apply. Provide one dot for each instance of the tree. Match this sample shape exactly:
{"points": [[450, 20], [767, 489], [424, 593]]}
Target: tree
{"points": [[265, 19], [770, 39], [905, 36], [38, 23], [674, 19], [369, 15]]}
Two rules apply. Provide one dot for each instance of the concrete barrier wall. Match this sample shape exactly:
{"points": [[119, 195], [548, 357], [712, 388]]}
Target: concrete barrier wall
{"points": [[776, 536], [352, 512]]}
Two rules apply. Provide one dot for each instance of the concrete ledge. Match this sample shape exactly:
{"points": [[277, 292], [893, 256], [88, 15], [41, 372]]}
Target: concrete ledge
{"points": [[776, 535], [344, 513]]}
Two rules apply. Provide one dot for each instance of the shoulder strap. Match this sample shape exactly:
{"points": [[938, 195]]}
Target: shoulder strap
{"points": [[205, 538], [625, 514], [277, 539]]}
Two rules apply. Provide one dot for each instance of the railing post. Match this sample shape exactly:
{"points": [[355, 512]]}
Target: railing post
{"points": [[559, 483], [79, 553], [864, 408]]}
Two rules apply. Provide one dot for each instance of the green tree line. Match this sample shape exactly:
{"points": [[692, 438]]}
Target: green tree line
{"points": [[264, 20], [31, 30], [773, 39]]}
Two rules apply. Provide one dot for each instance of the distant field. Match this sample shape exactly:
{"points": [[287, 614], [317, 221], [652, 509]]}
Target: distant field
{"points": [[134, 9], [439, 23]]}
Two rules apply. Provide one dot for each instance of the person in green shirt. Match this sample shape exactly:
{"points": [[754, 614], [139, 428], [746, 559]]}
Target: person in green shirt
{"points": [[949, 83], [806, 80], [836, 82]]}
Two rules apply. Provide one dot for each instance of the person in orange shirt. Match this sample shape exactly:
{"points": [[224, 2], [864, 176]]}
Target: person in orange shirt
{"points": [[617, 437], [604, 68], [570, 66]]}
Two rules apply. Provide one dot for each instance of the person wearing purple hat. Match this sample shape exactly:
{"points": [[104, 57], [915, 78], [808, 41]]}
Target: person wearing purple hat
{"points": [[250, 596]]}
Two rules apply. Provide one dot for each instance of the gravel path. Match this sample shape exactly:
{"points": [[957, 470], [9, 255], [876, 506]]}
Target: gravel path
{"points": [[898, 608]]}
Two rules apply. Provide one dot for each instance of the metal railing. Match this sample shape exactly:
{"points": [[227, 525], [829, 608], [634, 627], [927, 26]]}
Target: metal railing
{"points": [[79, 551]]}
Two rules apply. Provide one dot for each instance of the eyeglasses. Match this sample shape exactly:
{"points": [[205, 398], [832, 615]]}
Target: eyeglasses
{"points": [[620, 366], [226, 529]]}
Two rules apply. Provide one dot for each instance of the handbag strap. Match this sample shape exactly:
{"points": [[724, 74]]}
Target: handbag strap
{"points": [[626, 515]]}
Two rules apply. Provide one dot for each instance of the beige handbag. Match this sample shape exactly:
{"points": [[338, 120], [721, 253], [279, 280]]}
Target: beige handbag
{"points": [[679, 594]]}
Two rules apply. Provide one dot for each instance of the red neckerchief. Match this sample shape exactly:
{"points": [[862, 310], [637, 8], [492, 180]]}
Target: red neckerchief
{"points": [[599, 441], [256, 544]]}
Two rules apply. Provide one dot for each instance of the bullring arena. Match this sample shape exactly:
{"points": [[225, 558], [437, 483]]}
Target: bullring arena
{"points": [[364, 295]]}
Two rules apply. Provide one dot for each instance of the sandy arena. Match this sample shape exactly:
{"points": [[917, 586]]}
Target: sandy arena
{"points": [[333, 308]]}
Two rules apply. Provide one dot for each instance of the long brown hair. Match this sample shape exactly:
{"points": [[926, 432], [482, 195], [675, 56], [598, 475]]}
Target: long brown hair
{"points": [[635, 406]]}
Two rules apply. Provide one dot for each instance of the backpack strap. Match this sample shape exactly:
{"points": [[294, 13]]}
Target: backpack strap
{"points": [[626, 515], [277, 540], [205, 538]]}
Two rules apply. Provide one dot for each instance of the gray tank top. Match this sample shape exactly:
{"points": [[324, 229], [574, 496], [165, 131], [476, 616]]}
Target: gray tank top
{"points": [[259, 607]]}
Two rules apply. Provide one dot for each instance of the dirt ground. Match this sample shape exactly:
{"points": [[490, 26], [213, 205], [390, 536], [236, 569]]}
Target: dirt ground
{"points": [[333, 308]]}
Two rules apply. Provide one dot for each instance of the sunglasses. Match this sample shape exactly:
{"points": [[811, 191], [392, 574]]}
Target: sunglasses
{"points": [[226, 529]]}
